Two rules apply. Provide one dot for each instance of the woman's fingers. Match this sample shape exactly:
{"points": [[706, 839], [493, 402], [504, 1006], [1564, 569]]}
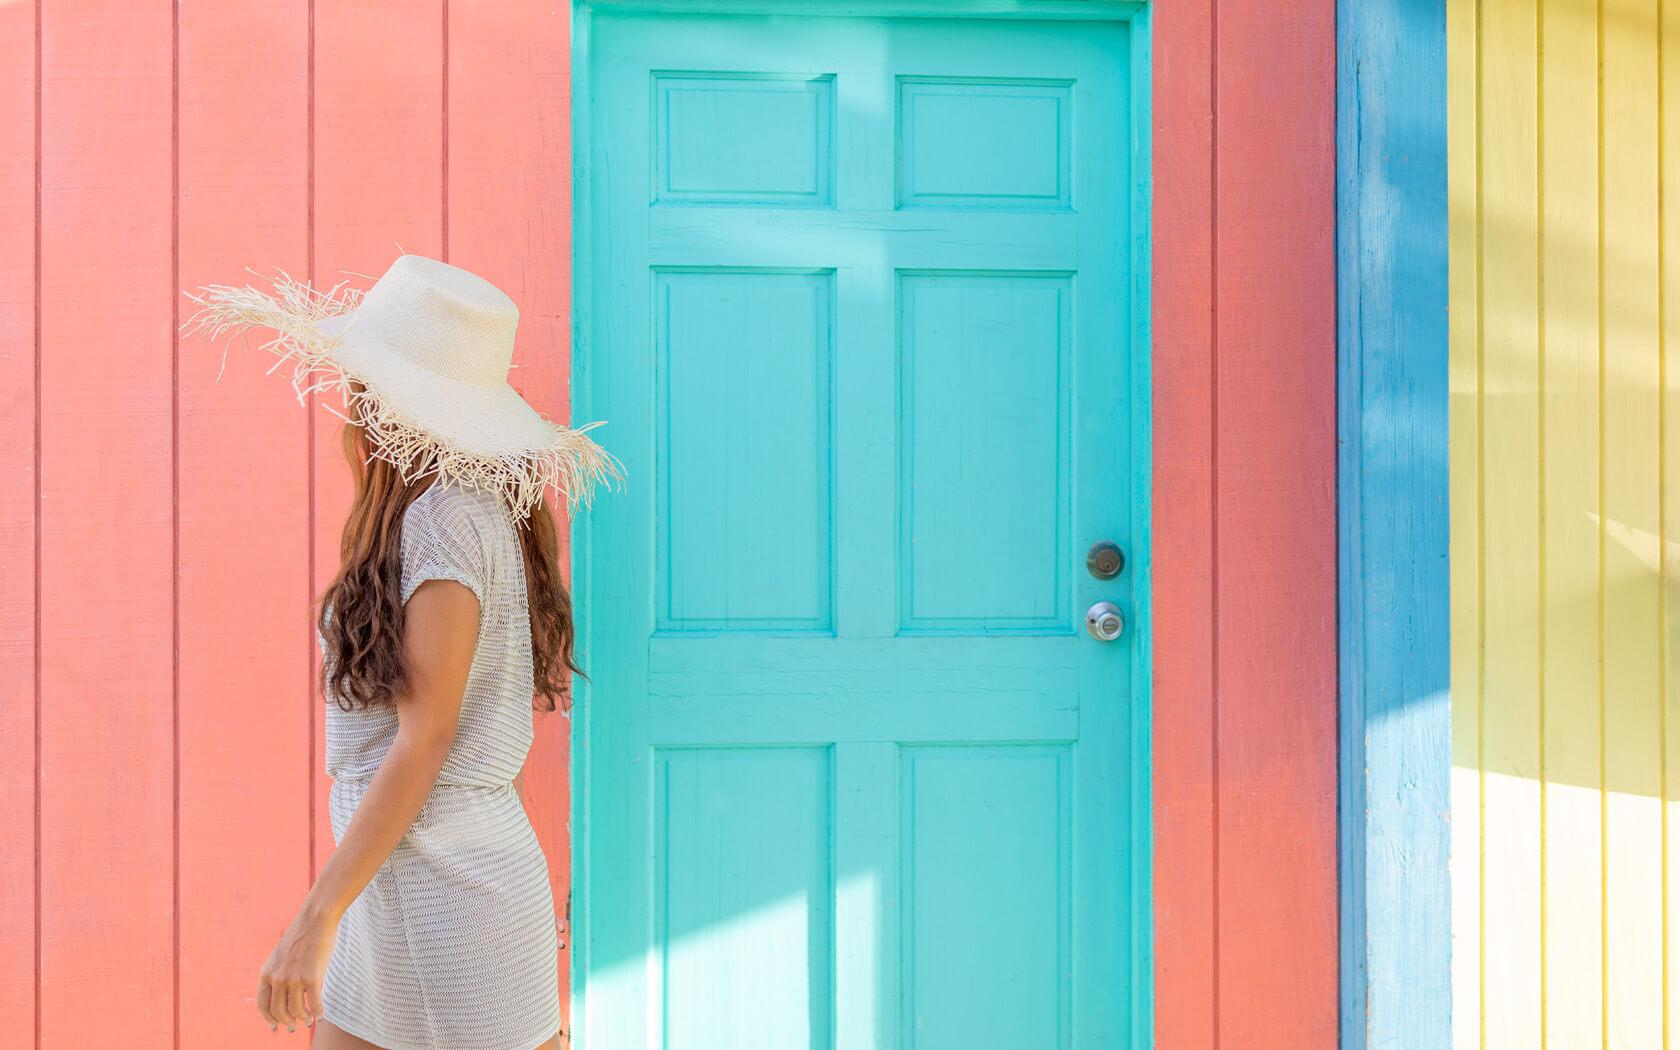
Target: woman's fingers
{"points": [[277, 1004], [265, 995], [311, 1002], [294, 1004]]}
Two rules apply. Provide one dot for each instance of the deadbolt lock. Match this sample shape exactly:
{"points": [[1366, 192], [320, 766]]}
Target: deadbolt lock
{"points": [[1105, 560]]}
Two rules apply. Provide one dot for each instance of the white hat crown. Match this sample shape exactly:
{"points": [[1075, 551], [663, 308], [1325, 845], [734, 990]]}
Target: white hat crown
{"points": [[440, 317]]}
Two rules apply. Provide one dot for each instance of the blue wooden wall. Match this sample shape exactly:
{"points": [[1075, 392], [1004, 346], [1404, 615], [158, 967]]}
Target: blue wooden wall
{"points": [[1392, 496]]}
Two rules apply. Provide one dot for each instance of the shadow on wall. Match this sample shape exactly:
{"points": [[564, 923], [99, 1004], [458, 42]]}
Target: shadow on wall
{"points": [[1564, 646], [1563, 535]]}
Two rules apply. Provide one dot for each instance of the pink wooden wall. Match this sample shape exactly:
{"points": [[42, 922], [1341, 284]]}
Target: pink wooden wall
{"points": [[1245, 525], [163, 531], [162, 806]]}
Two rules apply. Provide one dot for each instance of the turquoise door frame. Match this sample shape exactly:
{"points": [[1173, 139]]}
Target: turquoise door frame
{"points": [[677, 774]]}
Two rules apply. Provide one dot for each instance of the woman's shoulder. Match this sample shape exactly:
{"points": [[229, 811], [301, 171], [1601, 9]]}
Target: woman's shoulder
{"points": [[458, 516], [449, 532], [449, 501]]}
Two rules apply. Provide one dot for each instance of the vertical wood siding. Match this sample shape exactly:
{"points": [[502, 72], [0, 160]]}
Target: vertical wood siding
{"points": [[106, 692], [1392, 490], [1244, 525], [510, 203], [156, 660], [18, 99], [1563, 523], [241, 484], [378, 156], [164, 529]]}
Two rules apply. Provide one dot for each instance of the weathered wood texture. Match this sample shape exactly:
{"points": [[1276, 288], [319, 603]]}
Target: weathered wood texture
{"points": [[1244, 525], [1562, 473], [166, 530], [1392, 495]]}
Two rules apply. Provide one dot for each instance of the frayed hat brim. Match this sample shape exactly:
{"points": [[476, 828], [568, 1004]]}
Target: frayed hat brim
{"points": [[423, 423]]}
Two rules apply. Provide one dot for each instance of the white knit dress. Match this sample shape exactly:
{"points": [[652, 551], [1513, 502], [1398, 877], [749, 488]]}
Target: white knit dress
{"points": [[453, 944]]}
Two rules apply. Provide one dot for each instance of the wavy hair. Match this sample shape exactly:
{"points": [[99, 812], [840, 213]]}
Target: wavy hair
{"points": [[361, 612]]}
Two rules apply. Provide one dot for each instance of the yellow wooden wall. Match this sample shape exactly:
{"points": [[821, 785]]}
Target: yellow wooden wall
{"points": [[1563, 138]]}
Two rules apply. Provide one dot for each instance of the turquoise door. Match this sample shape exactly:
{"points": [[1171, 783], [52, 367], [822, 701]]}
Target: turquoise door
{"points": [[857, 300]]}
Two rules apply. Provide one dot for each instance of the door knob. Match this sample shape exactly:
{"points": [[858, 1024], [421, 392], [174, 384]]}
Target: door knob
{"points": [[1104, 621]]}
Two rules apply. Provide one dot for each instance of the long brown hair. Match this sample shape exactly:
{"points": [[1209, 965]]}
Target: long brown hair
{"points": [[361, 612]]}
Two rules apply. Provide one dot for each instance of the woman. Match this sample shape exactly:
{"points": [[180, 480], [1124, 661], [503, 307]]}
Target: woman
{"points": [[432, 924]]}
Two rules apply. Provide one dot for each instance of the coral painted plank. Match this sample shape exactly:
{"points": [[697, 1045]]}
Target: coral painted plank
{"points": [[106, 526], [509, 171], [1275, 522], [246, 698], [1185, 628], [378, 184], [17, 521], [1244, 603]]}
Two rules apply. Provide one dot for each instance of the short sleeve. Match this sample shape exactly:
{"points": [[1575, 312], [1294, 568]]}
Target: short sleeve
{"points": [[441, 541]]}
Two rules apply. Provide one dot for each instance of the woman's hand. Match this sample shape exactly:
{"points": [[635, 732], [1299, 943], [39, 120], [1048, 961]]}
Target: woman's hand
{"points": [[289, 992]]}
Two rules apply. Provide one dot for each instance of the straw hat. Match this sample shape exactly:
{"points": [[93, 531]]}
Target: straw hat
{"points": [[423, 358]]}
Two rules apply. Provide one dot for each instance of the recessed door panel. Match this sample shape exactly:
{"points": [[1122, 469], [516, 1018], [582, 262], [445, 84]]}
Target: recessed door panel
{"points": [[976, 142], [742, 895], [1013, 875], [983, 409], [778, 129], [744, 404]]}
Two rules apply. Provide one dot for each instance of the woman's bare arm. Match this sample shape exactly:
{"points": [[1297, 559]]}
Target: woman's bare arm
{"points": [[439, 633]]}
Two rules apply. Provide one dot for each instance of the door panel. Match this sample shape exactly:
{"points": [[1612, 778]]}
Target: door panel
{"points": [[737, 828], [981, 410], [852, 772], [985, 917], [744, 359]]}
